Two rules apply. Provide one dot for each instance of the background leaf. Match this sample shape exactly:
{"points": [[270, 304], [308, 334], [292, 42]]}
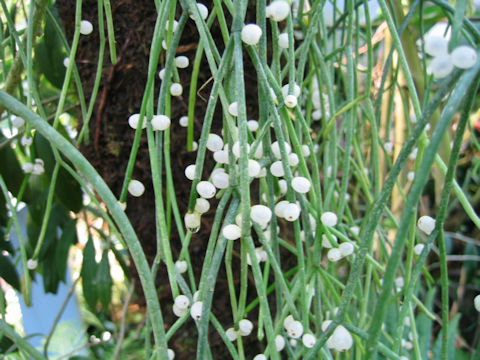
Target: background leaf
{"points": [[89, 274], [8, 272], [104, 281]]}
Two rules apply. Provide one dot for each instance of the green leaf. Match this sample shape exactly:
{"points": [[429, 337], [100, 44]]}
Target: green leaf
{"points": [[470, 265], [11, 171], [69, 237], [49, 55], [451, 336], [67, 190], [424, 325], [48, 267], [104, 280], [8, 272], [89, 274]]}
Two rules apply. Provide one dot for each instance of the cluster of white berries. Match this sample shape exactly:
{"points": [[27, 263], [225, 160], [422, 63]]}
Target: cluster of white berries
{"points": [[35, 168], [159, 122], [443, 62], [245, 328]]}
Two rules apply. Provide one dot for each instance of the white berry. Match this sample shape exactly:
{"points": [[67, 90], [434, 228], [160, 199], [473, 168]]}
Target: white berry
{"points": [[202, 205], [214, 142], [221, 180], [136, 188], [160, 122], [329, 218], [232, 232], [334, 254], [426, 224], [192, 221], [260, 214], [283, 40], [183, 121], [134, 119], [301, 184], [346, 248], [295, 329], [275, 147], [291, 212], [279, 342], [245, 327], [436, 45], [278, 10], [190, 172], [418, 249], [441, 66], [231, 334], [181, 266], [182, 302], [308, 340], [181, 62], [196, 310], [290, 101], [176, 89], [86, 27], [277, 169], [233, 109], [206, 189], [251, 34], [464, 57], [203, 10], [476, 302], [171, 354]]}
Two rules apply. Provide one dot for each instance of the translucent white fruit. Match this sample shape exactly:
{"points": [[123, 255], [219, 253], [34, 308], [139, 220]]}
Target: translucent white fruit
{"points": [[260, 214], [27, 167], [236, 149], [278, 10], [426, 224], [206, 189], [287, 321], [293, 159], [326, 243], [190, 172], [192, 221], [346, 248], [221, 180], [282, 184], [296, 90], [86, 27], [194, 146], [399, 282], [418, 249], [214, 142], [202, 205], [161, 74], [233, 109], [66, 62], [196, 310], [259, 357], [203, 10], [176, 89], [182, 302], [181, 266], [334, 254], [275, 148], [232, 232], [221, 157], [174, 25], [253, 167], [136, 188], [279, 342], [355, 230], [308, 340], [301, 184], [436, 45], [245, 327], [441, 66], [295, 329], [252, 125], [134, 119], [291, 212], [277, 169], [388, 146], [251, 34], [231, 334], [340, 340], [181, 62], [290, 101], [171, 354], [464, 57], [160, 122], [179, 312], [329, 218], [17, 122], [32, 264], [476, 302], [411, 175], [183, 121], [293, 342], [283, 40], [280, 208], [26, 141]]}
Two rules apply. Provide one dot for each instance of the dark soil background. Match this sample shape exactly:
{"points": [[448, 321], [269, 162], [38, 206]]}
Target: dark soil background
{"points": [[120, 95]]}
